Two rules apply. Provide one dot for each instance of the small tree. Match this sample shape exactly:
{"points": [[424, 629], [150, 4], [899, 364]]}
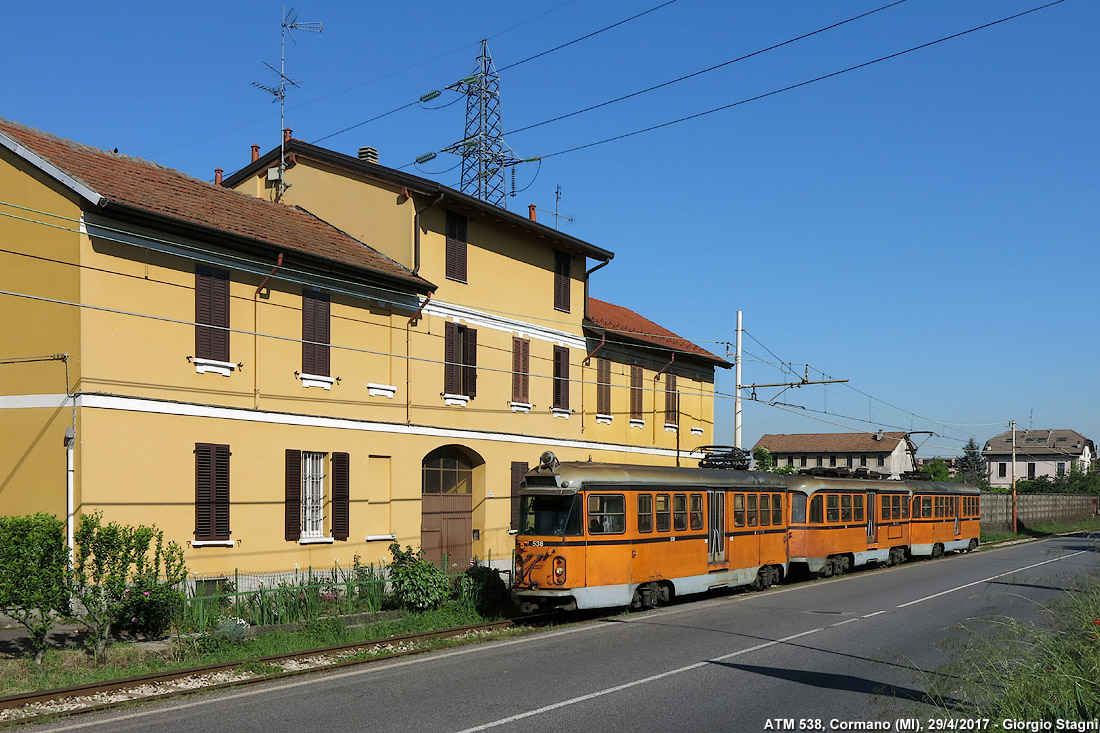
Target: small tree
{"points": [[417, 584], [972, 467], [108, 562], [33, 562], [763, 459], [937, 470]]}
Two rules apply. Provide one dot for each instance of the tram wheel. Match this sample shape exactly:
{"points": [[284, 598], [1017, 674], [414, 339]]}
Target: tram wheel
{"points": [[845, 563], [826, 569], [937, 550], [972, 546]]}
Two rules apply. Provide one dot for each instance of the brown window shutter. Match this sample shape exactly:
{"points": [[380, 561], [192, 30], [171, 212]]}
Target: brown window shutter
{"points": [[561, 377], [603, 386], [450, 356], [221, 492], [521, 366], [456, 247], [293, 503], [672, 401], [315, 333], [204, 490], [519, 470], [341, 496], [563, 266], [309, 319], [211, 309], [469, 371], [635, 393]]}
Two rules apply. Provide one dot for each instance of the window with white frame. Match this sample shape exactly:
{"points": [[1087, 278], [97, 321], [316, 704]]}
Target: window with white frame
{"points": [[313, 495]]}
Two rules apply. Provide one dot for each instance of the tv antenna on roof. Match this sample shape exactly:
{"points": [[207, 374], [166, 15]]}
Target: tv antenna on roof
{"points": [[289, 24]]}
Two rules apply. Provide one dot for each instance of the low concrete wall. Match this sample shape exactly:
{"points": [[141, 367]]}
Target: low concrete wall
{"points": [[1033, 509]]}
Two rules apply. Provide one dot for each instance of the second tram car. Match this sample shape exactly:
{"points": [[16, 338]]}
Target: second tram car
{"points": [[599, 535]]}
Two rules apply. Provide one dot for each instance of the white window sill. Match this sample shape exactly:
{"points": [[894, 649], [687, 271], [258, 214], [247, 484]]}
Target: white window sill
{"points": [[558, 412], [380, 538], [316, 541], [603, 419], [524, 407], [671, 427], [202, 366], [458, 400], [381, 390], [316, 380], [636, 423], [696, 431], [213, 543]]}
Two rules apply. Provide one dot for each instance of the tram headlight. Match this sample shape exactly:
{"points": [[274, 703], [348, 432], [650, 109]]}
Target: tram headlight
{"points": [[559, 570]]}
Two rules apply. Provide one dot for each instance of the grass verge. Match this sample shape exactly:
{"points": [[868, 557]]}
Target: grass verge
{"points": [[66, 667], [1043, 530]]}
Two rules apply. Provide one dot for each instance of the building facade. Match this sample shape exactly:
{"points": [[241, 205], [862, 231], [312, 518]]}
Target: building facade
{"points": [[888, 453], [1038, 453], [373, 358]]}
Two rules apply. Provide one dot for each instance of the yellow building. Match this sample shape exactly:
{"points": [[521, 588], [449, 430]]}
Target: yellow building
{"points": [[290, 384]]}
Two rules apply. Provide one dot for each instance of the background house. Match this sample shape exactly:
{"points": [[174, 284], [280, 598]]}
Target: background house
{"points": [[1038, 453], [888, 453]]}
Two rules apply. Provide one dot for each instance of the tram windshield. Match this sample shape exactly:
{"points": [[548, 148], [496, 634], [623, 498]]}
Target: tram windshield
{"points": [[554, 516]]}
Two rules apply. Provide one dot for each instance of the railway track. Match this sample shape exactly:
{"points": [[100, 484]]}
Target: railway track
{"points": [[46, 704]]}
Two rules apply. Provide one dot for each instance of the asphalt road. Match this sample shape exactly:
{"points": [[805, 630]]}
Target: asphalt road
{"points": [[856, 649]]}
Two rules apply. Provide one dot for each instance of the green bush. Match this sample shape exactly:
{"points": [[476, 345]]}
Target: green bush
{"points": [[109, 561], [149, 608], [417, 584], [33, 563], [483, 589]]}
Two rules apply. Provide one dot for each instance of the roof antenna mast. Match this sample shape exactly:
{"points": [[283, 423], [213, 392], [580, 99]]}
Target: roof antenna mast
{"points": [[289, 24]]}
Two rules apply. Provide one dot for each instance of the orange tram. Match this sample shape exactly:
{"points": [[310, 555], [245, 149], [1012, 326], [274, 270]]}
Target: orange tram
{"points": [[602, 535]]}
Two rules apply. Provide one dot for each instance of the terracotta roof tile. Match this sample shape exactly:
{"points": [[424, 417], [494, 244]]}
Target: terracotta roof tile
{"points": [[625, 322], [830, 442], [165, 192]]}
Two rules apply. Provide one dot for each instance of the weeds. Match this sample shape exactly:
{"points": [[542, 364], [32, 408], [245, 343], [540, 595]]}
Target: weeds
{"points": [[1031, 672]]}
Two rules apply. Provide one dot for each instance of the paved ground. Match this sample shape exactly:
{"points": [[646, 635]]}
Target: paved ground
{"points": [[14, 638]]}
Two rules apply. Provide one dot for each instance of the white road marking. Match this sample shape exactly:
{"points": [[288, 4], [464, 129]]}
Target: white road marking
{"points": [[841, 623], [876, 613], [635, 683], [993, 577]]}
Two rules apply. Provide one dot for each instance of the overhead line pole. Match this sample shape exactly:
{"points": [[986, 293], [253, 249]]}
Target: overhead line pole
{"points": [[1013, 425], [737, 389]]}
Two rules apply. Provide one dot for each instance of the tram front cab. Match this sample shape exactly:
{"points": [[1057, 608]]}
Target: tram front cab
{"points": [[550, 545]]}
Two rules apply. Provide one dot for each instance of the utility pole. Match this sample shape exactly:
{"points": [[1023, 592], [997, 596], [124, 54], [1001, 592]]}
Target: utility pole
{"points": [[1013, 424], [737, 390], [738, 386]]}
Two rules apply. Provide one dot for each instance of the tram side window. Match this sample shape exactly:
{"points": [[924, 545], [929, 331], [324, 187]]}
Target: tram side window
{"points": [[606, 513], [751, 499], [664, 515], [846, 508], [738, 510], [885, 504], [895, 507], [696, 511], [679, 512], [777, 509], [645, 512], [816, 516], [832, 508], [904, 508], [926, 506], [798, 508], [940, 509], [857, 509], [765, 510]]}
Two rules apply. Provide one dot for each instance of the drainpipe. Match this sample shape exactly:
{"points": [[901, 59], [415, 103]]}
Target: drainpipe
{"points": [[70, 468], [266, 280], [588, 273], [416, 232], [603, 340]]}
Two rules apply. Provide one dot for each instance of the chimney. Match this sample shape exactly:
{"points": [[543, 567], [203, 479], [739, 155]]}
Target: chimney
{"points": [[368, 155], [286, 135], [218, 176], [531, 212], [255, 152]]}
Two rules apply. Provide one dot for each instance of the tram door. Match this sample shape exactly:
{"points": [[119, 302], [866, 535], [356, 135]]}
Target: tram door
{"points": [[955, 501], [716, 538], [870, 518]]}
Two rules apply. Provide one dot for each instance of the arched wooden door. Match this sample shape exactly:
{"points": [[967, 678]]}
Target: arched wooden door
{"points": [[446, 522]]}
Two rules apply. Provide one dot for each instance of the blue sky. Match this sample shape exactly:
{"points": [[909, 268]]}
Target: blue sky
{"points": [[925, 227]]}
